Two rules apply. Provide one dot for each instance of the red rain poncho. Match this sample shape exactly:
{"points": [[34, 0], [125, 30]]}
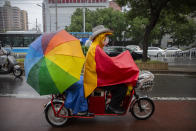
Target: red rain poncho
{"points": [[102, 70]]}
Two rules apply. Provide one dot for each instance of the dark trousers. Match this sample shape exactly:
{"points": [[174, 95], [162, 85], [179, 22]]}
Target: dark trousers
{"points": [[118, 93]]}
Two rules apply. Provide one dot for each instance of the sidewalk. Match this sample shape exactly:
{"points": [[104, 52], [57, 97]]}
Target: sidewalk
{"points": [[190, 70], [19, 114], [177, 65]]}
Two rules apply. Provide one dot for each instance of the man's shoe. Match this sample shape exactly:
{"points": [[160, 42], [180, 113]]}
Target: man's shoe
{"points": [[112, 110], [82, 113], [88, 114]]}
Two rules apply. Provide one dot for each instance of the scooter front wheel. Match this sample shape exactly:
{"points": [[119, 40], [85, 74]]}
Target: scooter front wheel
{"points": [[142, 108], [17, 72], [54, 120]]}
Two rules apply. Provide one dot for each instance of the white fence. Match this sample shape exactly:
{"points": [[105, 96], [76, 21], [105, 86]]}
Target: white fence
{"points": [[187, 53]]}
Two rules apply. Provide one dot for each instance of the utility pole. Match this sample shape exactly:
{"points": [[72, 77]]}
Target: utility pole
{"points": [[56, 17], [50, 23], [36, 25]]}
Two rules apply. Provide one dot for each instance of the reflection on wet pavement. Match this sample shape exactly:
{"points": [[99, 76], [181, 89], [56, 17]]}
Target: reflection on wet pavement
{"points": [[166, 85], [15, 86], [9, 84]]}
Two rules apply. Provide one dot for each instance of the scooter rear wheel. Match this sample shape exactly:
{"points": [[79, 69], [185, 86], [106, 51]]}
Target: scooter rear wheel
{"points": [[57, 121], [17, 72], [143, 108]]}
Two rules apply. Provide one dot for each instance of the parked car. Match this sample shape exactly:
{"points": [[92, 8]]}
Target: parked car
{"points": [[135, 48], [193, 51], [155, 51], [173, 51], [116, 50]]}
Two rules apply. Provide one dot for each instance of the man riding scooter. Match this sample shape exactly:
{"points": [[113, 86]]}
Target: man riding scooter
{"points": [[81, 100], [3, 59], [110, 73], [8, 63]]}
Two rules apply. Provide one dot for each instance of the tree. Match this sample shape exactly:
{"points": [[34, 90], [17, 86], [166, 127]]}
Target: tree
{"points": [[76, 22], [135, 29], [153, 9], [181, 28], [114, 20], [183, 34]]}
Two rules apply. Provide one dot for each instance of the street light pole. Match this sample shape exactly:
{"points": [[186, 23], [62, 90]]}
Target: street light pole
{"points": [[46, 8], [84, 19], [84, 12], [36, 25], [56, 17]]}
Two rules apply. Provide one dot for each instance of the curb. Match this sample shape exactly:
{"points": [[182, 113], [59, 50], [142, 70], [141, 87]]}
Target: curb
{"points": [[172, 72], [23, 96], [173, 98], [158, 71]]}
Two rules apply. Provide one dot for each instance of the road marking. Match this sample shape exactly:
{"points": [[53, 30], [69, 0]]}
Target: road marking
{"points": [[25, 96], [156, 74], [175, 98], [48, 96]]}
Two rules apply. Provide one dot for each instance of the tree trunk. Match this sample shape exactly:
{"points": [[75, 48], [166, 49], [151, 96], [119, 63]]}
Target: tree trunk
{"points": [[148, 30], [155, 13]]}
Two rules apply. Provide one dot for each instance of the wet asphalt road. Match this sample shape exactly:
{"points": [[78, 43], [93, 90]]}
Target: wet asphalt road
{"points": [[23, 111], [174, 85], [26, 112], [166, 85], [11, 86]]}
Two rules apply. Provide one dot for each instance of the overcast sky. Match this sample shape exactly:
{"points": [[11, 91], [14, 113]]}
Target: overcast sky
{"points": [[33, 10]]}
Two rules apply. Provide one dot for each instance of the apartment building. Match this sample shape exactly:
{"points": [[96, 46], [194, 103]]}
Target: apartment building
{"points": [[12, 18], [57, 13]]}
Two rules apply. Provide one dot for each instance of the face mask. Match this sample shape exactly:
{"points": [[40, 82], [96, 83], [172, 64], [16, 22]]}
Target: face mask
{"points": [[106, 41]]}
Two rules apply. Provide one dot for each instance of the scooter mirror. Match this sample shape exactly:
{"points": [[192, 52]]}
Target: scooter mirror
{"points": [[8, 52]]}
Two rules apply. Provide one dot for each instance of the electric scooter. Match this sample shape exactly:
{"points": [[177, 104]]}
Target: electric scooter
{"points": [[8, 64], [141, 108]]}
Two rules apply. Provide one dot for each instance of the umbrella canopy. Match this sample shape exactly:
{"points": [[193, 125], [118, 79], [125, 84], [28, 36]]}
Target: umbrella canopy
{"points": [[54, 62]]}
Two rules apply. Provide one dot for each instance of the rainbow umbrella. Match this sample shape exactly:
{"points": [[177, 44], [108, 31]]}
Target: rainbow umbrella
{"points": [[54, 62]]}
